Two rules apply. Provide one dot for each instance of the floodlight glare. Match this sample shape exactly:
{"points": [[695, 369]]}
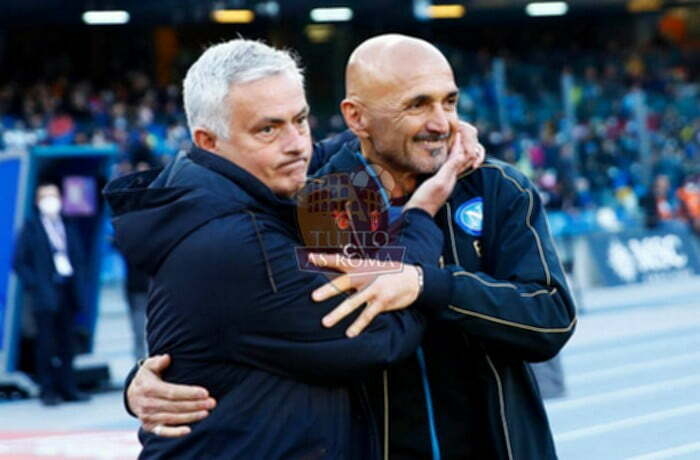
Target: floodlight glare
{"points": [[233, 16], [547, 9], [446, 11], [331, 14], [105, 17]]}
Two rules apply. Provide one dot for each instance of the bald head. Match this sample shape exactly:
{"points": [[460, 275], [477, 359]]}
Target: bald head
{"points": [[401, 102], [389, 61]]}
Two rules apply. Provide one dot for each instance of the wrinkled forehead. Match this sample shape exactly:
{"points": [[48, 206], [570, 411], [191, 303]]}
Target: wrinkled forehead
{"points": [[279, 96], [403, 72]]}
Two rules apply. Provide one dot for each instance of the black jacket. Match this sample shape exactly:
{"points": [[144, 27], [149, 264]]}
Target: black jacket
{"points": [[229, 304], [499, 301], [33, 263]]}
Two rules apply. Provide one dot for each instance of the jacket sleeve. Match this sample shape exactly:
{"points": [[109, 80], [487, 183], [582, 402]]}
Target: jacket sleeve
{"points": [[417, 234], [522, 306], [257, 296]]}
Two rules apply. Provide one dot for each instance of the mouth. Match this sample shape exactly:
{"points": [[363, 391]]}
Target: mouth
{"points": [[293, 164], [434, 147]]}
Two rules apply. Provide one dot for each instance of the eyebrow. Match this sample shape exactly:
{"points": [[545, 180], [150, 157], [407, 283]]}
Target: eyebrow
{"points": [[425, 97], [277, 121]]}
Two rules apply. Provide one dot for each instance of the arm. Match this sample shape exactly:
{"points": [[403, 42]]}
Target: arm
{"points": [[157, 402], [259, 308], [522, 306]]}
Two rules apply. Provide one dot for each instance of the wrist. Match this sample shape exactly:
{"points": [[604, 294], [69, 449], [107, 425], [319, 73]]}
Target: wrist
{"points": [[420, 280], [435, 294]]}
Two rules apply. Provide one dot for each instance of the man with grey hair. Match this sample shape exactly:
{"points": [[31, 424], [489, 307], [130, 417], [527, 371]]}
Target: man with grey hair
{"points": [[228, 300]]}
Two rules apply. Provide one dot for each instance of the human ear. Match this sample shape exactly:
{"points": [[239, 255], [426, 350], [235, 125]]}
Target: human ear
{"points": [[204, 139], [355, 117]]}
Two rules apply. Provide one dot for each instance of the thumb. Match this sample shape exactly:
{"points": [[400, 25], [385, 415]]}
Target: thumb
{"points": [[454, 159], [157, 364]]}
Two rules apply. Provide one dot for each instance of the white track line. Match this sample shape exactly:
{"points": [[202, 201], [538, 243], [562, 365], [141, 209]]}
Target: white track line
{"points": [[626, 423], [627, 368], [664, 385], [670, 453]]}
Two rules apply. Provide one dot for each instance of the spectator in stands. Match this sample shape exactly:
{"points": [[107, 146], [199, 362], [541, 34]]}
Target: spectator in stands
{"points": [[689, 198], [660, 205]]}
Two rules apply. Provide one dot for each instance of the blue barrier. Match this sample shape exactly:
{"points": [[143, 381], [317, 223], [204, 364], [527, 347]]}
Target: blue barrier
{"points": [[13, 170]]}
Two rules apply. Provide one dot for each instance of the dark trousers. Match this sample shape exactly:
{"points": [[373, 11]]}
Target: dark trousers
{"points": [[54, 346]]}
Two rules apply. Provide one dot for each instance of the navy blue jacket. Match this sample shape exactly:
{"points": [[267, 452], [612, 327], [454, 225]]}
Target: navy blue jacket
{"points": [[229, 304], [498, 301], [33, 263]]}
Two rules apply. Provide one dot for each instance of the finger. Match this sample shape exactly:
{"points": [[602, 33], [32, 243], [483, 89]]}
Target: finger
{"points": [[345, 308], [470, 131], [455, 157], [157, 405], [362, 321], [339, 285], [472, 153], [175, 392], [169, 418], [157, 363], [334, 261], [169, 431]]}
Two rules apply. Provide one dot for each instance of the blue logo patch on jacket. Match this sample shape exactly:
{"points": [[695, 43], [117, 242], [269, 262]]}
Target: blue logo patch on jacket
{"points": [[470, 216]]}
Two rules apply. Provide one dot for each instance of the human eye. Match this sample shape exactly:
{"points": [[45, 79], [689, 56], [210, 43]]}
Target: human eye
{"points": [[451, 102], [267, 130]]}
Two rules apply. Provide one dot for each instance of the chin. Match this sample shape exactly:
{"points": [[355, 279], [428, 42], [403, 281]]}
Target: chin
{"points": [[290, 187], [429, 164]]}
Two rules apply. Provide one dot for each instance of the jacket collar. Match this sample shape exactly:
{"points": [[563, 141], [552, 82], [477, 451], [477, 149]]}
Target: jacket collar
{"points": [[245, 180], [346, 160]]}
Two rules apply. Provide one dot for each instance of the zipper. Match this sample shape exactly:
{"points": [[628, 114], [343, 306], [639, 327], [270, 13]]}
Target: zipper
{"points": [[434, 443]]}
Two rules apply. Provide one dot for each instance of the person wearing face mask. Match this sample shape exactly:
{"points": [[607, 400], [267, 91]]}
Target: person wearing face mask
{"points": [[49, 261]]}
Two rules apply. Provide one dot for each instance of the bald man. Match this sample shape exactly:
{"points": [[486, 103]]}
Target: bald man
{"points": [[496, 299]]}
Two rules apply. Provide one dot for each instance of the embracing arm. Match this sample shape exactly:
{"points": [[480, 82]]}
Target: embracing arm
{"points": [[259, 301]]}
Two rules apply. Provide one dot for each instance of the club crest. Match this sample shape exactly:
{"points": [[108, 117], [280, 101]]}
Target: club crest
{"points": [[470, 216]]}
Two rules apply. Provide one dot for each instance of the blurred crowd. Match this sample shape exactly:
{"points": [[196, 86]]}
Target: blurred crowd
{"points": [[590, 157], [584, 159], [146, 124]]}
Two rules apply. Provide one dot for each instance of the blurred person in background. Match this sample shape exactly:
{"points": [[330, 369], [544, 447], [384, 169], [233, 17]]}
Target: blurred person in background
{"points": [[660, 204], [689, 198], [136, 290], [50, 262]]}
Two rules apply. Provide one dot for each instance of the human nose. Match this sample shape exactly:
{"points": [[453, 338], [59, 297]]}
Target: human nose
{"points": [[295, 140], [439, 120]]}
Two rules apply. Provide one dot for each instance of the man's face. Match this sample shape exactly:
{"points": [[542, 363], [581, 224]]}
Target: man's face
{"points": [[47, 191], [412, 120], [269, 132]]}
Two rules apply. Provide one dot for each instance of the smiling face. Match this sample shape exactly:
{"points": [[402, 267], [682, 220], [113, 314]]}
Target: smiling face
{"points": [[269, 132], [412, 125], [403, 97]]}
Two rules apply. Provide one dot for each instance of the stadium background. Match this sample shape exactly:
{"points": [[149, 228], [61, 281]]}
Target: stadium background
{"points": [[593, 104]]}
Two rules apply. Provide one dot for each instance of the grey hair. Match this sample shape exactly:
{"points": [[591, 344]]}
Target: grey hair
{"points": [[209, 79]]}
